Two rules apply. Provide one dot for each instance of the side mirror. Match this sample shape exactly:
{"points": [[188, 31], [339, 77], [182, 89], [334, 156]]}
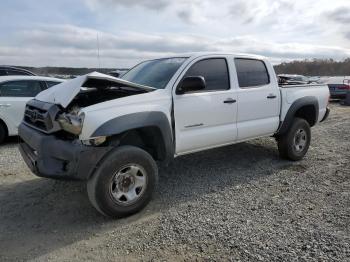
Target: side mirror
{"points": [[190, 84], [115, 74]]}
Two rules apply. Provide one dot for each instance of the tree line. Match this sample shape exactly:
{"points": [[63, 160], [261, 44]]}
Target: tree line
{"points": [[48, 71], [315, 67], [307, 67]]}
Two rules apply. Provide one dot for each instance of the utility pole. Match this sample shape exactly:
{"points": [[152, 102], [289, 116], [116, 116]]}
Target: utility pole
{"points": [[98, 52]]}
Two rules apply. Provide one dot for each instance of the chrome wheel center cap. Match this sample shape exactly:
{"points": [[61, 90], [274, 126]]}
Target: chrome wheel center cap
{"points": [[128, 184], [125, 183]]}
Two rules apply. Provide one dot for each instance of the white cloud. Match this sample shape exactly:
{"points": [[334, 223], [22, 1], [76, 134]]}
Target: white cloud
{"points": [[340, 15], [150, 4], [67, 45], [132, 30]]}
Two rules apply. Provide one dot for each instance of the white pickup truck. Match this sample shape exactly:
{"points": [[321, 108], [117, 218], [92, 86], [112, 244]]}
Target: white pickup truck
{"points": [[110, 132]]}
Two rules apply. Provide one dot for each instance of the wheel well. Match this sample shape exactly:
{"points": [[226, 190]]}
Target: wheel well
{"points": [[308, 113], [2, 123], [149, 139]]}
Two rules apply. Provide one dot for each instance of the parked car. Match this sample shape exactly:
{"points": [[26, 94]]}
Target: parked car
{"points": [[315, 79], [323, 80], [285, 79], [110, 132], [10, 70], [339, 86], [15, 92]]}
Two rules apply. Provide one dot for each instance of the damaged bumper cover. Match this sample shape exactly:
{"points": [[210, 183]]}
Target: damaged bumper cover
{"points": [[50, 157]]}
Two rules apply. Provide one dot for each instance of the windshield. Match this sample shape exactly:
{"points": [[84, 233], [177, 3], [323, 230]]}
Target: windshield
{"points": [[155, 73]]}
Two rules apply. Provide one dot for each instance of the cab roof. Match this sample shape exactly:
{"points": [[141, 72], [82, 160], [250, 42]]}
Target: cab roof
{"points": [[199, 54]]}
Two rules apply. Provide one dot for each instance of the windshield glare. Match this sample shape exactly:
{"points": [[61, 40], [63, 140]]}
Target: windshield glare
{"points": [[154, 73]]}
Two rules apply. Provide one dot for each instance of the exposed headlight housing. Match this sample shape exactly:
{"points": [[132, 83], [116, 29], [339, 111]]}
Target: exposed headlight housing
{"points": [[71, 123], [95, 141]]}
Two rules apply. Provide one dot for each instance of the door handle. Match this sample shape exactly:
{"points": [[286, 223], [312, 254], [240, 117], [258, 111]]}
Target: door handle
{"points": [[5, 105], [271, 96], [230, 101]]}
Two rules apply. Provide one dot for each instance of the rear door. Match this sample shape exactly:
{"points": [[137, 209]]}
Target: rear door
{"points": [[13, 97], [207, 118], [258, 99]]}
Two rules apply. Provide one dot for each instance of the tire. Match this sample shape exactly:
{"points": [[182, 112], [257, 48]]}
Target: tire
{"points": [[3, 133], [294, 144], [124, 182]]}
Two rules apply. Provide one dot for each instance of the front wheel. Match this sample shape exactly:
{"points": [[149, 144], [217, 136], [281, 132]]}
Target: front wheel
{"points": [[124, 182], [294, 144]]}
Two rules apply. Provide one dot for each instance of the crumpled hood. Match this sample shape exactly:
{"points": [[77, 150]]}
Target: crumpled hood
{"points": [[65, 92]]}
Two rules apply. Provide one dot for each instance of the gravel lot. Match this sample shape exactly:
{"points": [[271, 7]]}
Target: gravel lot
{"points": [[235, 203]]}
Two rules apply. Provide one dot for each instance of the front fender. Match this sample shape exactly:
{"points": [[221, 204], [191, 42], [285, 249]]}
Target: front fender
{"points": [[132, 121]]}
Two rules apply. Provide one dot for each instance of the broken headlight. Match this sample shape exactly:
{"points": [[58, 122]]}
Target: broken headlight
{"points": [[71, 123], [95, 141]]}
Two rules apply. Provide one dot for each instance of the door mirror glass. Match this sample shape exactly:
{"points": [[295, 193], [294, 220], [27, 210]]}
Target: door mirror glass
{"points": [[191, 84]]}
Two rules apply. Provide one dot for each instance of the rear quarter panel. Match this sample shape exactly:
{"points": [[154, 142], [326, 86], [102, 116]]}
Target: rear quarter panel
{"points": [[11, 126], [291, 94]]}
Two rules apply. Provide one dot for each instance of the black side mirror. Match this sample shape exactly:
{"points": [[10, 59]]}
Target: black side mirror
{"points": [[191, 84], [115, 74]]}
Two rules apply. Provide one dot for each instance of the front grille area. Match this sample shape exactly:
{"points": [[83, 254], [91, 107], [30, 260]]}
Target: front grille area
{"points": [[41, 116], [38, 118]]}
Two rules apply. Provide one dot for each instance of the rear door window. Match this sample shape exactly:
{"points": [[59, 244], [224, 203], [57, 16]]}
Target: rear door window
{"points": [[23, 88], [251, 73]]}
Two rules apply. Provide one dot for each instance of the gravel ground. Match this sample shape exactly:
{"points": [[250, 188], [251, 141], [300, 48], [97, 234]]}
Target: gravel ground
{"points": [[235, 203]]}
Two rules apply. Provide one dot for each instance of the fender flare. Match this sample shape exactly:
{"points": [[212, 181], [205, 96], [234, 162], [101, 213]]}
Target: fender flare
{"points": [[132, 121], [297, 104]]}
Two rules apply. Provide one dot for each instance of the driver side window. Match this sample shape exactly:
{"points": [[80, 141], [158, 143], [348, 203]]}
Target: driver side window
{"points": [[214, 71]]}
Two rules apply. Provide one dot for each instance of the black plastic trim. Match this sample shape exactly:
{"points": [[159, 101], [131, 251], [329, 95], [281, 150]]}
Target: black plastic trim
{"points": [[299, 103], [48, 156], [326, 115], [48, 111], [139, 120]]}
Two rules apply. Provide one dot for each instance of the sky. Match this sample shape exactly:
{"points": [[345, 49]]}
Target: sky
{"points": [[70, 33]]}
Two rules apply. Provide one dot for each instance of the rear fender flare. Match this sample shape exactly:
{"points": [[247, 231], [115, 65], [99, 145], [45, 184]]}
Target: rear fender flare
{"points": [[299, 103]]}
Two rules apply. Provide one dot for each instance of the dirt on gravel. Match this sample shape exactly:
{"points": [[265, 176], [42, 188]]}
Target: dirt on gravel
{"points": [[238, 203]]}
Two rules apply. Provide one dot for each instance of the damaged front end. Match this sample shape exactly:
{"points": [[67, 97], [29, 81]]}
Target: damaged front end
{"points": [[52, 119], [53, 122], [71, 123], [58, 110]]}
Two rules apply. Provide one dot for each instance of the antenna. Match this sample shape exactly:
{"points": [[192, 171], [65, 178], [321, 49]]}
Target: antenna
{"points": [[98, 52]]}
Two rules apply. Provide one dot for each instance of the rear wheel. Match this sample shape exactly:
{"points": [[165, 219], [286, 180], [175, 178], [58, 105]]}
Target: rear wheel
{"points": [[294, 144], [3, 132], [124, 182]]}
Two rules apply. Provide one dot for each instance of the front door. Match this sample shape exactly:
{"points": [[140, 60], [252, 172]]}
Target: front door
{"points": [[206, 118]]}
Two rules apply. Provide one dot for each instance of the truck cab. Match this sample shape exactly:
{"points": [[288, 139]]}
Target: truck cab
{"points": [[111, 132]]}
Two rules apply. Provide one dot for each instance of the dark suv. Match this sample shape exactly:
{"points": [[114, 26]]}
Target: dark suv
{"points": [[11, 71]]}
